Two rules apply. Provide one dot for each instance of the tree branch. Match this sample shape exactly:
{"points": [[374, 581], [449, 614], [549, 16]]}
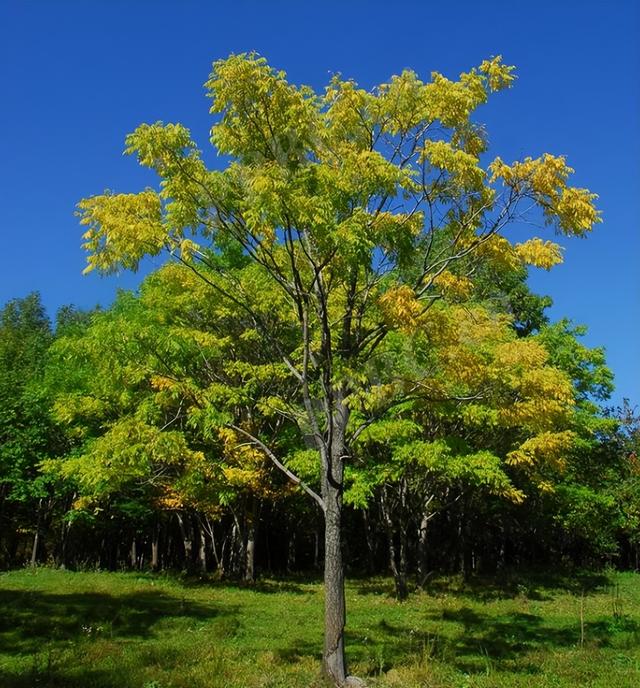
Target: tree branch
{"points": [[292, 476]]}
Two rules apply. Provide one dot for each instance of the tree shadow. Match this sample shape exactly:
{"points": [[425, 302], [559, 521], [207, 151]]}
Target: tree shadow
{"points": [[31, 619], [298, 651], [375, 587], [536, 586], [479, 640], [262, 585], [56, 677]]}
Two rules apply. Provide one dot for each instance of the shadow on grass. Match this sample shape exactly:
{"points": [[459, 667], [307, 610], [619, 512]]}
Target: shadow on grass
{"points": [[30, 618], [478, 640], [534, 586], [509, 585], [262, 585], [298, 651], [55, 677]]}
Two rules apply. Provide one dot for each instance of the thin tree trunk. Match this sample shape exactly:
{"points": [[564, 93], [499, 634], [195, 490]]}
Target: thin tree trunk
{"points": [[502, 551], [402, 587], [422, 547], [395, 563], [368, 531], [64, 537], [64, 540], [223, 549], [155, 546], [403, 565], [250, 550], [236, 549], [187, 541], [202, 551], [291, 552], [268, 550], [207, 527], [36, 537], [423, 531], [316, 549], [133, 553], [460, 543]]}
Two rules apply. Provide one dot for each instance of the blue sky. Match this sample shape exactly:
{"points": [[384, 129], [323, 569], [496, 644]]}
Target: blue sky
{"points": [[75, 77]]}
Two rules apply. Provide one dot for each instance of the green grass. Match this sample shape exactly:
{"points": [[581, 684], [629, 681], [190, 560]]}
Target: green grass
{"points": [[110, 630]]}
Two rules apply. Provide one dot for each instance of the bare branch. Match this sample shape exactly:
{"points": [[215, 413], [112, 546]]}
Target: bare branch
{"points": [[292, 476]]}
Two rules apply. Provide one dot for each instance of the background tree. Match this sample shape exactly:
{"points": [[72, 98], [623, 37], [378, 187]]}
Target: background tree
{"points": [[28, 434]]}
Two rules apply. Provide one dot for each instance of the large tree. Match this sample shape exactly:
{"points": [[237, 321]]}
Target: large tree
{"points": [[361, 209]]}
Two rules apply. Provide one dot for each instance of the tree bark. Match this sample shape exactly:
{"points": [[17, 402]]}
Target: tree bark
{"points": [[368, 531], [155, 546], [423, 531], [133, 553], [236, 550], [291, 552], [202, 549], [316, 548], [36, 537], [397, 565], [334, 661], [187, 541], [250, 549]]}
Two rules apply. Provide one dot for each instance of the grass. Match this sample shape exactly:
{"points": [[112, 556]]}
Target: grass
{"points": [[121, 630]]}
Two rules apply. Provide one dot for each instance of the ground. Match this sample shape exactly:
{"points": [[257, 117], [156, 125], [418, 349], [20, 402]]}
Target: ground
{"points": [[127, 630]]}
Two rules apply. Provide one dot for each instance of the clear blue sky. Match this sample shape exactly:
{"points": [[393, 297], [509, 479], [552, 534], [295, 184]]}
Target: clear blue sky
{"points": [[75, 77]]}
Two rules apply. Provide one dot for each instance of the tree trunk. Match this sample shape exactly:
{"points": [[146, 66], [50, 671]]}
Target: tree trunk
{"points": [[250, 553], [422, 547], [250, 549], [368, 532], [207, 527], [187, 541], [202, 547], [155, 546], [133, 553], [397, 565], [333, 661], [502, 550], [291, 552], [402, 589], [316, 549], [423, 530], [34, 549], [236, 550], [64, 540], [36, 537]]}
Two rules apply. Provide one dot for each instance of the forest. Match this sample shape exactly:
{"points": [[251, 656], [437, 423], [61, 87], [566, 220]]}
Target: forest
{"points": [[111, 460], [340, 367]]}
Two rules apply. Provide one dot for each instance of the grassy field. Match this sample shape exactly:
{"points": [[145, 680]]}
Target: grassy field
{"points": [[111, 630]]}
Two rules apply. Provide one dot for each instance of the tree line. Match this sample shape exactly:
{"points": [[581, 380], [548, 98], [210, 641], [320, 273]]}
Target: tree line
{"points": [[112, 458]]}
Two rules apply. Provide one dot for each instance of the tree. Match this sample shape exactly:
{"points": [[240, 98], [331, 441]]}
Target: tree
{"points": [[361, 210], [27, 432]]}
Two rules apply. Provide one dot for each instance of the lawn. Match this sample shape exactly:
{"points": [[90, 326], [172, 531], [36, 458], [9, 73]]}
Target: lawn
{"points": [[124, 630]]}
